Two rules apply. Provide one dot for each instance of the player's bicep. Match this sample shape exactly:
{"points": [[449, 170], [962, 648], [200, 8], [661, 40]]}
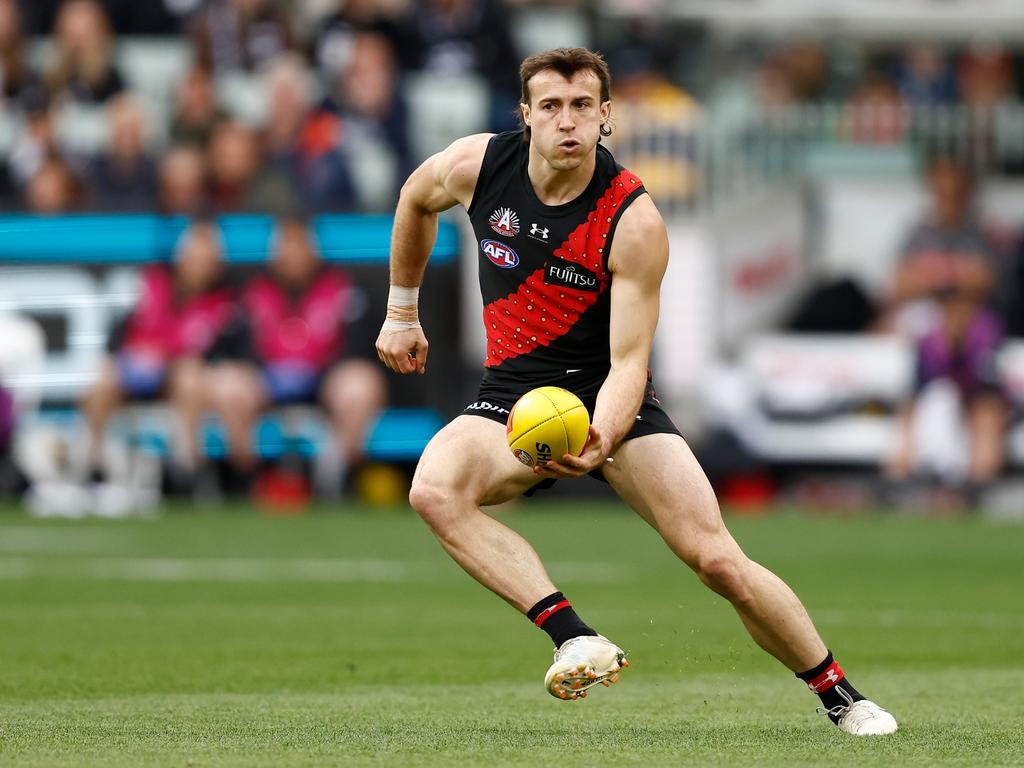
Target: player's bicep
{"points": [[638, 260]]}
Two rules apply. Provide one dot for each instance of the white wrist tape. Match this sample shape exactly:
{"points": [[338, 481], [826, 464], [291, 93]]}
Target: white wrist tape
{"points": [[400, 296], [399, 325]]}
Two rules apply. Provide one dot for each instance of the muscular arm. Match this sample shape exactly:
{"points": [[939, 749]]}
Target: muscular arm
{"points": [[637, 261], [442, 181]]}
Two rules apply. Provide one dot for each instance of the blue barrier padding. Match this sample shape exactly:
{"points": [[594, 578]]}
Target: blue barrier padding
{"points": [[143, 238], [401, 434]]}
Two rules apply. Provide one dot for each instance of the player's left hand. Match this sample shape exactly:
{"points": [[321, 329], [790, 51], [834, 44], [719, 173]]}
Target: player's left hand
{"points": [[595, 451]]}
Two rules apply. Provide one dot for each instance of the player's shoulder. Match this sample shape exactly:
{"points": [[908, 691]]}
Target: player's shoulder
{"points": [[468, 152], [640, 218], [640, 236], [457, 167]]}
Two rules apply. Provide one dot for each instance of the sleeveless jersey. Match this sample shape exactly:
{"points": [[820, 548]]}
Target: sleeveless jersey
{"points": [[544, 268]]}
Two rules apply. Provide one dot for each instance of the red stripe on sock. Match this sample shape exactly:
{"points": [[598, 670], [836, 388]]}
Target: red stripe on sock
{"points": [[826, 679], [548, 612]]}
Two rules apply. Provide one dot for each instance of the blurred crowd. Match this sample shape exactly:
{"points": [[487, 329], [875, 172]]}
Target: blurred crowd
{"points": [[922, 95], [274, 106], [277, 104]]}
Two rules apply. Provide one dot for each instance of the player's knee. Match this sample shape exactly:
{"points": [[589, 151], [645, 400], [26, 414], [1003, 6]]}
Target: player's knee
{"points": [[432, 502], [727, 575]]}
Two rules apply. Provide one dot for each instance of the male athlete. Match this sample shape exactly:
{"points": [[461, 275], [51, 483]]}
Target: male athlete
{"points": [[572, 256]]}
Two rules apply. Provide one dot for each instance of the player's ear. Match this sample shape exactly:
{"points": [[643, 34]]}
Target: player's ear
{"points": [[606, 111], [525, 109]]}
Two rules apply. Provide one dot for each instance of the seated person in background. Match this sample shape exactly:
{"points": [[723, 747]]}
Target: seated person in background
{"points": [[940, 297], [158, 349], [956, 363], [946, 251], [297, 339]]}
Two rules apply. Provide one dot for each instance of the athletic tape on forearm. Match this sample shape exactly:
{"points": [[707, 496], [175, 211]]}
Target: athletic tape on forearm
{"points": [[403, 308], [401, 296]]}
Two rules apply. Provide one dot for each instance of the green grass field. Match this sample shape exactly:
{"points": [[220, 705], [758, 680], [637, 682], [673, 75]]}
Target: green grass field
{"points": [[220, 638]]}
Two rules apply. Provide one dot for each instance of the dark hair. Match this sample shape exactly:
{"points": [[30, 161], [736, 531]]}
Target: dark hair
{"points": [[566, 62]]}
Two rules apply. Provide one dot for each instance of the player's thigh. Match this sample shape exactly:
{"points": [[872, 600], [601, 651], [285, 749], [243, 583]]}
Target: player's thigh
{"points": [[659, 477], [469, 459]]}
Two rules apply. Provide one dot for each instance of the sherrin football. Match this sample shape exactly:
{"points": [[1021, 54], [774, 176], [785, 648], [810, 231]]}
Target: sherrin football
{"points": [[546, 423]]}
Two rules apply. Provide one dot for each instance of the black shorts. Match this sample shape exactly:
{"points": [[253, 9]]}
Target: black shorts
{"points": [[499, 393]]}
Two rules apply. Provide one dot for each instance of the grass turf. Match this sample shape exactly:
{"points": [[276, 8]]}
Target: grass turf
{"points": [[347, 638]]}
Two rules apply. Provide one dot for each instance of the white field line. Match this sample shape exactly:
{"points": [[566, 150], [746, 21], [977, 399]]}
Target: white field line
{"points": [[263, 570]]}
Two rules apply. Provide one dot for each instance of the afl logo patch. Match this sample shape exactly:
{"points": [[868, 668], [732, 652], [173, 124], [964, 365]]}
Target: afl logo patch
{"points": [[505, 222], [523, 456], [499, 254]]}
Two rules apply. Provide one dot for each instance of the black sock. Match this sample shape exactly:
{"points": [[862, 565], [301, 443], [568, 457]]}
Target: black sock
{"points": [[554, 614], [829, 681]]}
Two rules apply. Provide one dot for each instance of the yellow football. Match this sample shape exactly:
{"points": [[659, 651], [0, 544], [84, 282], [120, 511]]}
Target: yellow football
{"points": [[547, 423]]}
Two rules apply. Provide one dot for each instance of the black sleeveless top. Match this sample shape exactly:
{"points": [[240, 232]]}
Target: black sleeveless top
{"points": [[544, 268]]}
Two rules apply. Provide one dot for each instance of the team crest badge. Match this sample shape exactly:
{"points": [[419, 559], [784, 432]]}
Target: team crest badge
{"points": [[505, 222]]}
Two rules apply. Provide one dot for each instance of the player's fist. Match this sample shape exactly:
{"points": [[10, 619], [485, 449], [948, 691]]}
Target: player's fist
{"points": [[403, 351]]}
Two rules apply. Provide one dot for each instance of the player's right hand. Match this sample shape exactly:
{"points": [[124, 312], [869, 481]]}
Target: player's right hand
{"points": [[403, 351]]}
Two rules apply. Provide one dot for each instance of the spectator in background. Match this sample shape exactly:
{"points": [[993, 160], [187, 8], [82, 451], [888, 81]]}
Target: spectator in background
{"points": [[806, 68], [124, 177], [15, 74], [466, 37], [182, 181], [233, 159], [83, 67], [239, 35], [655, 123], [947, 251], [924, 76], [239, 180], [299, 337], [158, 349], [364, 94], [52, 190], [37, 143], [940, 296], [195, 108], [985, 76], [303, 146], [874, 114]]}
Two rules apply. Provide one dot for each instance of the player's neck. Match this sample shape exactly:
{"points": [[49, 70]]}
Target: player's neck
{"points": [[555, 187]]}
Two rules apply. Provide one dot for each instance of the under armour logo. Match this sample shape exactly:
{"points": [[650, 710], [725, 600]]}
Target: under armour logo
{"points": [[826, 681], [538, 233]]}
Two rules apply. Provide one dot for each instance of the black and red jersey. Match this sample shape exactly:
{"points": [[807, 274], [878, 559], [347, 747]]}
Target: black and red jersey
{"points": [[544, 268]]}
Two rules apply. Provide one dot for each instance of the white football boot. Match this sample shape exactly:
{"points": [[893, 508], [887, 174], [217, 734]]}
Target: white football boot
{"points": [[863, 718], [581, 663]]}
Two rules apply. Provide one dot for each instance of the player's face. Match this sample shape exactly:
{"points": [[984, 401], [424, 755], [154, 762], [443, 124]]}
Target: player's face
{"points": [[565, 117]]}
